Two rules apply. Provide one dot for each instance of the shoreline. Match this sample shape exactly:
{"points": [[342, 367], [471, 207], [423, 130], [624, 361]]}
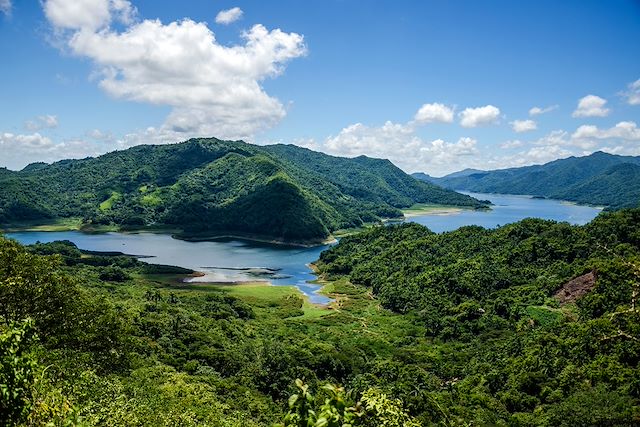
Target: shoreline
{"points": [[254, 238], [72, 224], [532, 196], [427, 211], [263, 283], [420, 209]]}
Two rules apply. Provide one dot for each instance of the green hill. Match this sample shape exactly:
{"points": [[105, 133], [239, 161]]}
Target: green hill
{"points": [[531, 324], [600, 178], [218, 187]]}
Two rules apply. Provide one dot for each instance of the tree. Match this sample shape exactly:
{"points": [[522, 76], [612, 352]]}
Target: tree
{"points": [[375, 409], [16, 372]]}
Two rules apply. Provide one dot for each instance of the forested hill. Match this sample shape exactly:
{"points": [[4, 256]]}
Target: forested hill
{"points": [[229, 187], [533, 324], [600, 179]]}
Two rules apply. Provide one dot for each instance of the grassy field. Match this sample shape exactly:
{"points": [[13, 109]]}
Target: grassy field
{"points": [[259, 294]]}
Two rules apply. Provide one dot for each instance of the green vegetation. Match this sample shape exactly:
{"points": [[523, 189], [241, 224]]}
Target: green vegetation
{"points": [[213, 187], [147, 349], [115, 197], [598, 179], [459, 328], [504, 352]]}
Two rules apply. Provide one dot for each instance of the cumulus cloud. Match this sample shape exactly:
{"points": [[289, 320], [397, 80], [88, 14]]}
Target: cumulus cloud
{"points": [[87, 14], [18, 150], [473, 117], [536, 111], [633, 93], [430, 113], [516, 143], [588, 138], [539, 155], [523, 125], [228, 16], [398, 143], [623, 130], [100, 135], [42, 122], [5, 7], [591, 106], [412, 153], [213, 89]]}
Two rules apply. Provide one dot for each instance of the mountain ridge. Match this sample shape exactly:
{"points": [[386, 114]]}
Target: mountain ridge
{"points": [[573, 179], [211, 186]]}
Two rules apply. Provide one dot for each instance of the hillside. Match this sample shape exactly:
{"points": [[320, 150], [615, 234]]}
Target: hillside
{"points": [[600, 178], [458, 328], [508, 349], [219, 187]]}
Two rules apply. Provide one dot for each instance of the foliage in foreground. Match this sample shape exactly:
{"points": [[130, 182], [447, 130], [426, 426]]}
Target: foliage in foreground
{"points": [[452, 329], [484, 296]]}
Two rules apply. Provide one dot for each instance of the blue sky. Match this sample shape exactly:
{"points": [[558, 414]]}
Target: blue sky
{"points": [[82, 77]]}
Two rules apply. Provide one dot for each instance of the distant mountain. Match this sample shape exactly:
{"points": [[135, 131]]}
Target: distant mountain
{"points": [[600, 178], [463, 173], [428, 178], [423, 177], [283, 192]]}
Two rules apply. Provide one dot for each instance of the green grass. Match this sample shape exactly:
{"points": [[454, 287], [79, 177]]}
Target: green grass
{"points": [[56, 224], [544, 315], [152, 199], [108, 204], [261, 295]]}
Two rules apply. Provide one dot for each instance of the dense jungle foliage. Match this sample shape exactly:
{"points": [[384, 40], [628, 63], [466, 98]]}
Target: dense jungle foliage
{"points": [[458, 328], [598, 179], [221, 187], [514, 354]]}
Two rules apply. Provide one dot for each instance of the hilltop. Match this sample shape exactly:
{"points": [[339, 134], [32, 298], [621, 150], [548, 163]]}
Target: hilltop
{"points": [[279, 192], [599, 179]]}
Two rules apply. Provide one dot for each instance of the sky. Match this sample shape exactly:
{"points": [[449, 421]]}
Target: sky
{"points": [[435, 86]]}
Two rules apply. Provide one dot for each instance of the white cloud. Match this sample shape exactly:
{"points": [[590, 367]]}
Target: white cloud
{"points": [[87, 14], [588, 138], [516, 143], [623, 130], [5, 7], [398, 143], [591, 106], [536, 111], [99, 135], [430, 113], [473, 117], [523, 125], [18, 150], [213, 89], [556, 137], [539, 155], [228, 16], [42, 122], [633, 93]]}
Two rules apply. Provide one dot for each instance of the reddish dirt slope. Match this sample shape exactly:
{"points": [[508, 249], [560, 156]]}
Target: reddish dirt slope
{"points": [[576, 288]]}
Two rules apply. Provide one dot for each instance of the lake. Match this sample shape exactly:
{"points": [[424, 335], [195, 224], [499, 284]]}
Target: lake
{"points": [[507, 209], [237, 260]]}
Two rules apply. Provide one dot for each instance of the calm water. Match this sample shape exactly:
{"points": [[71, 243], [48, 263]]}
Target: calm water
{"points": [[229, 260], [507, 209]]}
